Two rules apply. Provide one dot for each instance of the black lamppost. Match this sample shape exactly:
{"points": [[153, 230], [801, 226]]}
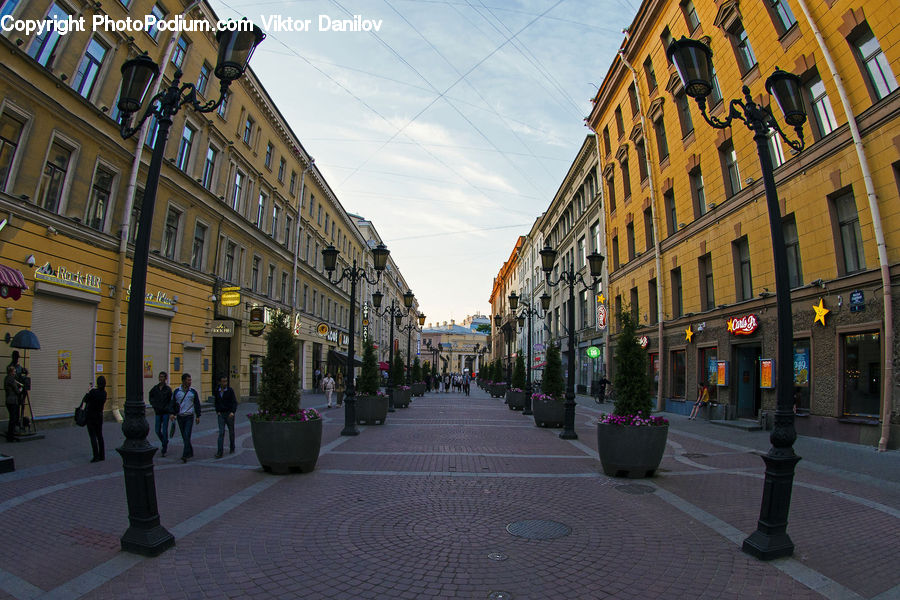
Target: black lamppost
{"points": [[354, 274], [693, 60], [396, 313], [570, 278], [409, 328], [527, 312], [145, 535]]}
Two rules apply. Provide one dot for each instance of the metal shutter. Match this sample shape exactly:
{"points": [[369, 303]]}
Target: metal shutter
{"points": [[156, 350]]}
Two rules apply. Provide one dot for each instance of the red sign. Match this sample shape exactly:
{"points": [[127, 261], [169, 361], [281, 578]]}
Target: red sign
{"points": [[743, 325], [644, 341], [601, 316]]}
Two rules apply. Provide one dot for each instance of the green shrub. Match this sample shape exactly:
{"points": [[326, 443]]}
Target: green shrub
{"points": [[552, 384], [518, 376], [631, 381], [370, 378], [280, 389]]}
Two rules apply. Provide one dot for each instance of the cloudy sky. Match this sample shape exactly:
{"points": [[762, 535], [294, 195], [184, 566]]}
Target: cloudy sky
{"points": [[451, 127]]}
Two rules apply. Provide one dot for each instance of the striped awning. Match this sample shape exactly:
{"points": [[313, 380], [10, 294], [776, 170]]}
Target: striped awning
{"points": [[12, 282]]}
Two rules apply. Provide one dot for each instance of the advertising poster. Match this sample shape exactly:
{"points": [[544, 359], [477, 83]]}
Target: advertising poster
{"points": [[767, 373], [801, 366], [64, 364], [722, 373], [148, 367]]}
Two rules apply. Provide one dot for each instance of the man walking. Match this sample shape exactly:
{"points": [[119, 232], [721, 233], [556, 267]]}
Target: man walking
{"points": [[164, 406], [466, 383], [328, 388], [226, 406], [188, 402]]}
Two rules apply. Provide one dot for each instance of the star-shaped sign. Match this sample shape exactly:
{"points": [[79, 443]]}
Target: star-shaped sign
{"points": [[688, 334], [821, 311], [601, 299], [730, 325]]}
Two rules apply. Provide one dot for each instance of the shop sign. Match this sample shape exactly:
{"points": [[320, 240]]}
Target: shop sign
{"points": [[158, 300], [231, 296], [539, 362], [297, 322], [86, 282], [222, 328], [538, 347], [644, 341], [256, 324], [857, 301], [767, 373], [322, 329], [334, 335], [593, 352], [365, 323], [601, 316], [801, 366], [722, 373], [743, 325]]}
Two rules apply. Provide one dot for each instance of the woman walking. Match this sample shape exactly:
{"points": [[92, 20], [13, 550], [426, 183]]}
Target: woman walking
{"points": [[93, 410]]}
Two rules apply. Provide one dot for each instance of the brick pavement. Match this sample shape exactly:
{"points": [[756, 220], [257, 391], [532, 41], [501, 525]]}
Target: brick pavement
{"points": [[419, 508]]}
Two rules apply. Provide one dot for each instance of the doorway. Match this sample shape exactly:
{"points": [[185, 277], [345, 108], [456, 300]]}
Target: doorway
{"points": [[746, 374], [221, 361]]}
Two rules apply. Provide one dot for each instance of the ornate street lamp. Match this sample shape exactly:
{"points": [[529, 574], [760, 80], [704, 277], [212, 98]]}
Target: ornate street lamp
{"points": [[395, 313], [145, 535], [570, 278], [353, 274], [527, 312], [693, 60], [408, 299]]}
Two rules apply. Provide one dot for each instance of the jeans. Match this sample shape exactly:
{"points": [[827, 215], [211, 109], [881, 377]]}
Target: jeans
{"points": [[162, 429], [95, 432], [186, 425], [224, 420], [13, 410]]}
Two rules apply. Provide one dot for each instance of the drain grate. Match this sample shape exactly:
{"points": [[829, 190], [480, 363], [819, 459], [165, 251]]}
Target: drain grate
{"points": [[538, 529], [500, 596], [497, 556], [635, 489], [694, 455]]}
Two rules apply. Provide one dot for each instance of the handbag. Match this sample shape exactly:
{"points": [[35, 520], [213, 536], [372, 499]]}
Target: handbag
{"points": [[80, 416], [172, 430]]}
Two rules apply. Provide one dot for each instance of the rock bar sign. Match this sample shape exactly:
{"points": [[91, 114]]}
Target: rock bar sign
{"points": [[231, 296]]}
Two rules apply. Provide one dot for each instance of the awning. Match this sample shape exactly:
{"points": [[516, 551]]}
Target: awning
{"points": [[384, 366], [341, 358], [12, 282]]}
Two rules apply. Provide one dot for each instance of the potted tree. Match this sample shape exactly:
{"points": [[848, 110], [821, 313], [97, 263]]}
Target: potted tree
{"points": [[498, 389], [418, 383], [515, 396], [631, 442], [371, 403], [286, 438], [398, 379], [548, 405]]}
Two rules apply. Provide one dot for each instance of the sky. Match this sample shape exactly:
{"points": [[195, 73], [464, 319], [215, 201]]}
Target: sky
{"points": [[451, 127]]}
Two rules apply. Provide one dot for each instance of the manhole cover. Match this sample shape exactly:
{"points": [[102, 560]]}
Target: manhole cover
{"points": [[635, 488], [694, 455], [538, 529], [500, 596], [497, 556]]}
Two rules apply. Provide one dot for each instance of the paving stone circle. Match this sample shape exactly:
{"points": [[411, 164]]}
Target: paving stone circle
{"points": [[497, 556], [694, 455], [538, 529], [635, 488], [500, 596]]}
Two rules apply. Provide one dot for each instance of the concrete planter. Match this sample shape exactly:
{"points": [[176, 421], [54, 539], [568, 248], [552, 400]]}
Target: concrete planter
{"points": [[418, 390], [548, 413], [371, 410], [401, 398], [632, 452], [497, 390], [284, 447], [515, 400]]}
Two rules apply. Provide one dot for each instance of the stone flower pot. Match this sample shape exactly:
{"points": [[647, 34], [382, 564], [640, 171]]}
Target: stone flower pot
{"points": [[284, 447], [515, 400], [548, 413], [497, 390], [371, 410], [628, 451], [418, 389], [401, 398]]}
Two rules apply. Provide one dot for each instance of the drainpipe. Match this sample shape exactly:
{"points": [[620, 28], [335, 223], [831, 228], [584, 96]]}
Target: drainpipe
{"points": [[887, 368], [126, 221], [660, 403]]}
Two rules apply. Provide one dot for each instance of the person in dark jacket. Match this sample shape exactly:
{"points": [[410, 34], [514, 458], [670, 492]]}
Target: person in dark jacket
{"points": [[188, 402], [226, 406], [93, 410], [13, 389], [164, 405]]}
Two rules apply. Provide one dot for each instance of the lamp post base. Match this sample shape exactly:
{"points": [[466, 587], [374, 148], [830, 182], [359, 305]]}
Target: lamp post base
{"points": [[144, 536], [350, 414], [770, 540], [568, 432]]}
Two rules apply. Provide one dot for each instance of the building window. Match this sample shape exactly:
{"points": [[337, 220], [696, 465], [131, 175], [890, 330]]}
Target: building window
{"points": [[698, 195], [281, 165], [54, 177], [742, 49], [223, 107], [781, 15], [595, 236], [861, 356], [10, 134], [648, 228], [792, 247], [237, 190], [671, 215], [170, 234], [248, 130], [650, 74], [275, 210], [86, 76], [620, 125], [203, 78], [7, 7], [254, 275], [715, 95], [270, 282], [319, 220], [677, 305], [690, 15], [775, 149], [582, 257], [707, 370], [606, 144], [181, 47], [184, 148], [881, 77], [626, 178], [653, 303], [730, 172], [160, 14], [135, 222], [269, 155], [822, 113], [583, 308], [641, 151], [101, 192], [611, 191], [293, 186], [615, 251], [662, 145], [312, 203], [305, 295], [684, 114], [707, 287], [283, 287], [618, 310], [198, 246], [629, 240], [743, 278], [633, 99], [261, 209], [288, 227], [209, 167], [44, 45], [678, 374], [635, 306], [230, 251], [848, 242]]}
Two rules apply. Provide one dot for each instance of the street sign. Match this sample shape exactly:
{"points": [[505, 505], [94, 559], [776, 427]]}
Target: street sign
{"points": [[857, 301], [593, 352]]}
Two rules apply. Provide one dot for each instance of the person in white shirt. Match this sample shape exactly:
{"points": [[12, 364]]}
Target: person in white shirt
{"points": [[187, 401], [328, 388]]}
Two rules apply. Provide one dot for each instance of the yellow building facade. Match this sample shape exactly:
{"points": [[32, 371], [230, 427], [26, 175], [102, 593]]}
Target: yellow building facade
{"points": [[689, 250]]}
